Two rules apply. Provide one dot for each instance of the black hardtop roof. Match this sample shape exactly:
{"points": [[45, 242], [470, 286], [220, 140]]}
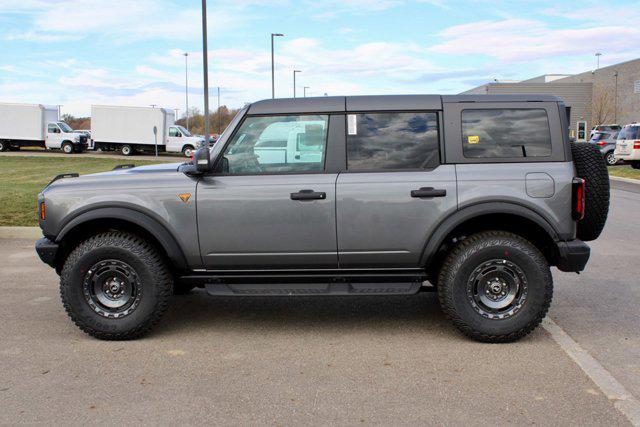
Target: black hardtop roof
{"points": [[336, 104]]}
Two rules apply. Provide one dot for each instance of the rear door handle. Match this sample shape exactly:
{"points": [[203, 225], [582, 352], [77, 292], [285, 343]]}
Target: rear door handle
{"points": [[309, 195], [428, 192]]}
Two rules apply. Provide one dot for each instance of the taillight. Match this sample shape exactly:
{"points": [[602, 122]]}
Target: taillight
{"points": [[43, 212], [636, 145], [578, 198], [602, 143]]}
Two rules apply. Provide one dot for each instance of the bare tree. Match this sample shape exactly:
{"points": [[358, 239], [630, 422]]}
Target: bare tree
{"points": [[602, 106]]}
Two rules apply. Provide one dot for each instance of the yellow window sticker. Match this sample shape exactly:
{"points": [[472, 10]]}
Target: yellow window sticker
{"points": [[473, 139]]}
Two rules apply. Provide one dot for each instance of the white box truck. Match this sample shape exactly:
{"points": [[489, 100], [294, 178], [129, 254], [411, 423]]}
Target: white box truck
{"points": [[139, 129], [35, 125]]}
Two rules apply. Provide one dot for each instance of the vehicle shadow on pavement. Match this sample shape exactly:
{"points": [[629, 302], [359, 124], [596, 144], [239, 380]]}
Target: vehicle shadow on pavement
{"points": [[332, 313]]}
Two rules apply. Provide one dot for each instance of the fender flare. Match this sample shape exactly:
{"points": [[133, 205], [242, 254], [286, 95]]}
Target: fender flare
{"points": [[149, 224], [473, 211]]}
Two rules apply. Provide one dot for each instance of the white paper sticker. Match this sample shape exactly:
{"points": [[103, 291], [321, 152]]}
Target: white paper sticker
{"points": [[352, 124]]}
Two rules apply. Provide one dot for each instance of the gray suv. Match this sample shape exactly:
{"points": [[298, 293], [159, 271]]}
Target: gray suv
{"points": [[474, 197]]}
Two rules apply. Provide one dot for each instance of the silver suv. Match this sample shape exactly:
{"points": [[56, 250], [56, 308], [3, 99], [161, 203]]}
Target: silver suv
{"points": [[474, 197]]}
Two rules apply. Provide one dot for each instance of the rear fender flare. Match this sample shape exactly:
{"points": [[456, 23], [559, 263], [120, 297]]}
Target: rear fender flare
{"points": [[468, 213]]}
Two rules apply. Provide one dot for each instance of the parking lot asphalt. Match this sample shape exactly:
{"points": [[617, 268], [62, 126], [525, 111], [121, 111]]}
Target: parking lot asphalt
{"points": [[333, 360]]}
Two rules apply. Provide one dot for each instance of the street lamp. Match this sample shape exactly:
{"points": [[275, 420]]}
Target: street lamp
{"points": [[273, 78], [186, 86], [598, 55], [305, 90], [205, 66], [615, 111], [294, 81]]}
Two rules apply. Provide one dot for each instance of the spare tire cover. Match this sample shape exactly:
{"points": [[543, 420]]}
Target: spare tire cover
{"points": [[591, 166]]}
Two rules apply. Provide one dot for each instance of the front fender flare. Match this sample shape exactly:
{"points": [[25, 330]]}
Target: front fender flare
{"points": [[149, 224]]}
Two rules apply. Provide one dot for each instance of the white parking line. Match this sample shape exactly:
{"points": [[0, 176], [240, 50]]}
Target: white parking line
{"points": [[624, 401]]}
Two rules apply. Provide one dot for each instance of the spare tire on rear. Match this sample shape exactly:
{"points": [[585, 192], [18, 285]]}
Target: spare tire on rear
{"points": [[591, 167]]}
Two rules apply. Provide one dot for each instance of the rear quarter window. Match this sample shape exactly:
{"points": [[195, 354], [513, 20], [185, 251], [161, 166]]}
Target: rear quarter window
{"points": [[505, 133]]}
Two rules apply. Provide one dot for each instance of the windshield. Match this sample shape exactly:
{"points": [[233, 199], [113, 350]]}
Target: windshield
{"points": [[184, 131], [65, 127]]}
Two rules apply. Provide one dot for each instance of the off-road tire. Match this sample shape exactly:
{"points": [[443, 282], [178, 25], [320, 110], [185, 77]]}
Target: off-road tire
{"points": [[471, 253], [126, 150], [591, 166], [155, 281], [188, 150], [67, 148]]}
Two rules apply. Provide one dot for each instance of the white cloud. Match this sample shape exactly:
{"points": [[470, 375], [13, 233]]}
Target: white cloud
{"points": [[528, 40]]}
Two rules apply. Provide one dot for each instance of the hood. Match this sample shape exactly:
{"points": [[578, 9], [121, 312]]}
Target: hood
{"points": [[149, 169]]}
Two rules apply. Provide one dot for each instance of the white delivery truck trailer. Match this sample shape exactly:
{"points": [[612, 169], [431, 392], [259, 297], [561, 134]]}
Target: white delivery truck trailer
{"points": [[139, 129], [35, 125]]}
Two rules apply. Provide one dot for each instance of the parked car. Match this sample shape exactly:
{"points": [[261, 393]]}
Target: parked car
{"points": [[605, 128], [380, 201], [606, 143], [628, 145], [35, 125]]}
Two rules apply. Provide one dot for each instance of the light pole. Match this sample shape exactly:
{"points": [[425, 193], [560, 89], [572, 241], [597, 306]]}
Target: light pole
{"points": [[294, 81], [304, 89], [273, 68], [219, 117], [186, 86], [615, 110], [598, 55], [205, 66]]}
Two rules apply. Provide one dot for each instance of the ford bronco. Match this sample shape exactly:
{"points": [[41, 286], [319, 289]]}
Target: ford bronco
{"points": [[473, 197]]}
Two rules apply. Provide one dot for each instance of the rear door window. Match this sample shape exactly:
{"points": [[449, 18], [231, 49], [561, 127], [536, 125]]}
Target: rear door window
{"points": [[505, 133], [392, 141]]}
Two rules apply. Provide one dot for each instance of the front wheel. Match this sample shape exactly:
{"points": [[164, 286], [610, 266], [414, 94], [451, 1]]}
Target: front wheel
{"points": [[67, 148], [4, 146], [187, 151], [495, 287], [115, 286]]}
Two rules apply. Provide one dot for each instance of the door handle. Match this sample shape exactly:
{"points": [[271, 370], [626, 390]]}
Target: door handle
{"points": [[428, 192], [309, 195]]}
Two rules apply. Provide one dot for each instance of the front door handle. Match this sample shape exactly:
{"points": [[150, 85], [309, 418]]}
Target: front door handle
{"points": [[428, 192], [309, 195]]}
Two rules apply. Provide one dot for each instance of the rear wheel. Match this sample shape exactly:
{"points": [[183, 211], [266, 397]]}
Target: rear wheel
{"points": [[495, 287], [635, 165], [4, 146], [115, 286], [126, 150], [610, 158], [67, 148]]}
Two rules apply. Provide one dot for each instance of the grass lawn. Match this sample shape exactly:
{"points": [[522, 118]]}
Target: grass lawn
{"points": [[624, 172], [22, 178]]}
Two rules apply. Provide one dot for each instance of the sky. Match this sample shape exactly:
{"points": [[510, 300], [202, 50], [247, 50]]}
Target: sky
{"points": [[76, 53]]}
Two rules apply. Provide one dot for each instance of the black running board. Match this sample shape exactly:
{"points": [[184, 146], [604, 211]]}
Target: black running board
{"points": [[291, 289], [311, 282]]}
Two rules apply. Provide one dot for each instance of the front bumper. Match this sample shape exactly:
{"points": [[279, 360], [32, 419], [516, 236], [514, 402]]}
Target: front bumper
{"points": [[573, 255], [47, 251]]}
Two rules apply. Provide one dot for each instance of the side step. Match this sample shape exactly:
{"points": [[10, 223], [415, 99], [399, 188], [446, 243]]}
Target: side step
{"points": [[290, 289]]}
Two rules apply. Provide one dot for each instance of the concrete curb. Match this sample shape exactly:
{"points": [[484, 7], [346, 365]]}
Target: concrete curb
{"points": [[20, 233], [629, 180]]}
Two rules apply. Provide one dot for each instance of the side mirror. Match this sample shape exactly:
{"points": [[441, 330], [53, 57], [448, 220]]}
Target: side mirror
{"points": [[202, 159]]}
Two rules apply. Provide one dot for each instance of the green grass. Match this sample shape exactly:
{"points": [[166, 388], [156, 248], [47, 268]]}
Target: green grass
{"points": [[22, 178], [624, 172]]}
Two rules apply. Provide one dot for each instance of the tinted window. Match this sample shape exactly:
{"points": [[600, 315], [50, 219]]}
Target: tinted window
{"points": [[505, 133], [278, 144], [388, 141], [629, 132]]}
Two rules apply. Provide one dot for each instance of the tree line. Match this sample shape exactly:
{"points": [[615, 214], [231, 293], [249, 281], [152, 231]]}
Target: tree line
{"points": [[218, 120]]}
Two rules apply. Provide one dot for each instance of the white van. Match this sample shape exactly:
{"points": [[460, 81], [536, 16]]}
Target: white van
{"points": [[628, 145]]}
